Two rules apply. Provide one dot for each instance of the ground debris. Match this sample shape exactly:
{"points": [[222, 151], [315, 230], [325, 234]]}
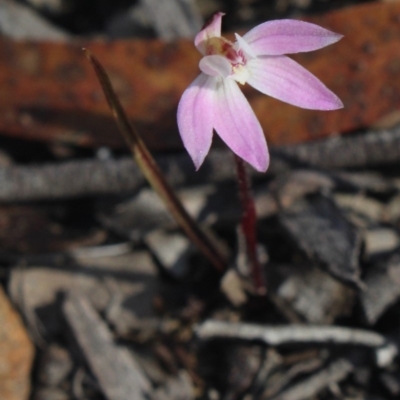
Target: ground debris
{"points": [[380, 241], [100, 271], [331, 239], [79, 178], [231, 368], [119, 375], [282, 335], [360, 208], [55, 366], [315, 295], [124, 292], [332, 373], [172, 250], [212, 204], [391, 381], [17, 352], [382, 288], [368, 149], [175, 19], [20, 22], [176, 388]]}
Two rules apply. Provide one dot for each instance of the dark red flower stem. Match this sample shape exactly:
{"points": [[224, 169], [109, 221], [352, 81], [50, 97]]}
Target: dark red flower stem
{"points": [[248, 224]]}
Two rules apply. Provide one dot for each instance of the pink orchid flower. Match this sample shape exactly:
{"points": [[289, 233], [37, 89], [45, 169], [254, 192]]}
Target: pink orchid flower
{"points": [[214, 100]]}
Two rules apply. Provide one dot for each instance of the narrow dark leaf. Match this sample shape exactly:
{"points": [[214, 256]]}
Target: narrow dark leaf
{"points": [[153, 173]]}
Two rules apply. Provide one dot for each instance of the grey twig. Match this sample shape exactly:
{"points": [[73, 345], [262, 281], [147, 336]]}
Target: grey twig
{"points": [[93, 177], [289, 334], [358, 150], [116, 370]]}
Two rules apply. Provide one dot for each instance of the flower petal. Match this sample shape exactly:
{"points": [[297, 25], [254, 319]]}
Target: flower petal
{"points": [[195, 117], [237, 125], [215, 65], [245, 47], [288, 36], [211, 28], [286, 80]]}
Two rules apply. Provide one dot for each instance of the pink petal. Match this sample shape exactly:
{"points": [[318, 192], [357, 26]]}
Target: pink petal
{"points": [[215, 65], [284, 79], [288, 36], [212, 28], [195, 117], [238, 127]]}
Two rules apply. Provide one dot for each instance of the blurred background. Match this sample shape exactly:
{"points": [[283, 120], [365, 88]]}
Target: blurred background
{"points": [[103, 297]]}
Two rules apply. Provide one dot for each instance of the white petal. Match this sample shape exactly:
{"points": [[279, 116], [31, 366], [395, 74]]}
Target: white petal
{"points": [[245, 47], [215, 65]]}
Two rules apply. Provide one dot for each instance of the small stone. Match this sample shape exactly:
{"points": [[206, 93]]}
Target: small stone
{"points": [[392, 211], [362, 205], [382, 240], [232, 286], [171, 250], [382, 288], [315, 295]]}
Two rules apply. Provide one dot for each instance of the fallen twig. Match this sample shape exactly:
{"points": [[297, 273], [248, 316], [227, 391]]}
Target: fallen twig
{"points": [[385, 351], [359, 150], [93, 177]]}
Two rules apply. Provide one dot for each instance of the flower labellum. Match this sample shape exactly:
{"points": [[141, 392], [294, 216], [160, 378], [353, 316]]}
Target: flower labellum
{"points": [[214, 100]]}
